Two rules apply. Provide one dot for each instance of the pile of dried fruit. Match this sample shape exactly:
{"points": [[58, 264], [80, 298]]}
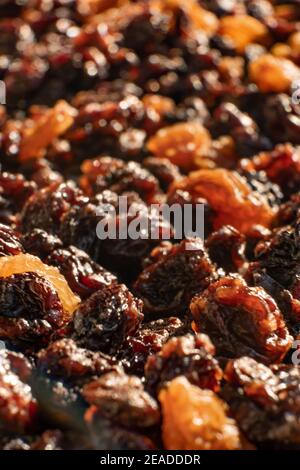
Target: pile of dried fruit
{"points": [[146, 343]]}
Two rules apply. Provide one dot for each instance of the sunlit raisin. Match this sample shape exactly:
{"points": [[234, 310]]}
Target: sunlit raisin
{"points": [[104, 320], [195, 419], [244, 207], [149, 339], [18, 408], [264, 401], [189, 356], [241, 320], [273, 74], [83, 275], [226, 248], [181, 144], [46, 208], [122, 398], [243, 30], [167, 285]]}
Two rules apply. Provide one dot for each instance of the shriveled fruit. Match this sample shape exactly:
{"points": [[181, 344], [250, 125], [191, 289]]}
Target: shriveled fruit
{"points": [[40, 243], [118, 176], [181, 143], [189, 356], [18, 408], [230, 196], [104, 320], [30, 308], [83, 275], [281, 165], [10, 243], [226, 248], [273, 74], [122, 398], [45, 129], [149, 339], [243, 30], [25, 263], [46, 208], [177, 273], [195, 419], [264, 401], [241, 320], [106, 434], [63, 358]]}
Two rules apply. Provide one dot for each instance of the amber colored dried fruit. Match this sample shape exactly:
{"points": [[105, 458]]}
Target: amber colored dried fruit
{"points": [[242, 30], [195, 419], [25, 263], [46, 207], [179, 272], [45, 129], [189, 356], [273, 74], [265, 401], [122, 398], [230, 196], [181, 143], [104, 320], [226, 248], [18, 408], [198, 17], [241, 320]]}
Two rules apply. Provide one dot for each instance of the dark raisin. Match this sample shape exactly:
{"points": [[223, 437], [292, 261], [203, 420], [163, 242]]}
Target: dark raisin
{"points": [[104, 434], [226, 248], [104, 320], [190, 356], [122, 398], [241, 320], [40, 243], [46, 208], [10, 242], [165, 171], [264, 401], [83, 275], [63, 358], [149, 339], [167, 285], [30, 308], [18, 408]]}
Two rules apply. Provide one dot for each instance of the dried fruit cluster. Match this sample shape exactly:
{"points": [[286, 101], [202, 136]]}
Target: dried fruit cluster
{"points": [[155, 342]]}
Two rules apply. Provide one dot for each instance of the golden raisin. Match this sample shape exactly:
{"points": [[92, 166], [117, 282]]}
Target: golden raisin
{"points": [[195, 419], [273, 74], [181, 143], [45, 129], [24, 263], [242, 30], [230, 197]]}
